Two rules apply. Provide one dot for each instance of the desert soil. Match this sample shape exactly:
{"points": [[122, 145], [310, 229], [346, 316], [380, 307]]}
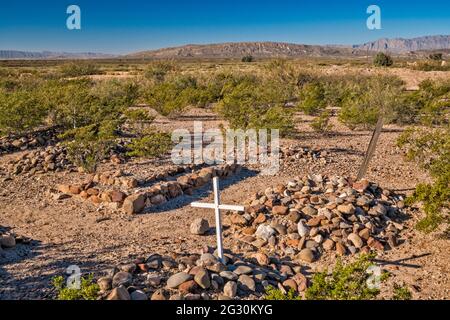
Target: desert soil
{"points": [[71, 232]]}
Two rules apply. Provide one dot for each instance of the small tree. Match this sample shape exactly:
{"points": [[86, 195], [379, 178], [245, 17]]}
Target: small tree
{"points": [[248, 58], [312, 98], [435, 56], [322, 122], [383, 60], [88, 145]]}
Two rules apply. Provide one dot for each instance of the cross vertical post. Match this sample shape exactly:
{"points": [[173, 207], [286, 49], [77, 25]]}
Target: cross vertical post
{"points": [[218, 218]]}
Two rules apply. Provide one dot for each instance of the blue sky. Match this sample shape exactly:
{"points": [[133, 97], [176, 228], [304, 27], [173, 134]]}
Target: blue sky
{"points": [[131, 25]]}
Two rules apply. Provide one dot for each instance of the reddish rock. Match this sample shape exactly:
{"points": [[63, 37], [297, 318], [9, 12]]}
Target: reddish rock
{"points": [[249, 230], [302, 282], [158, 199], [92, 191], [64, 188], [134, 203], [236, 218], [261, 218], [95, 199], [375, 244], [74, 189], [361, 185], [293, 242], [290, 284], [188, 287], [340, 249], [118, 196], [175, 189], [84, 195], [281, 210]]}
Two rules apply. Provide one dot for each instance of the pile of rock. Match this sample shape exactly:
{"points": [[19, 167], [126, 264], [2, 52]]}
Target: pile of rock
{"points": [[31, 140], [298, 154], [52, 158], [200, 277], [88, 191], [185, 184], [134, 199], [314, 215], [119, 178]]}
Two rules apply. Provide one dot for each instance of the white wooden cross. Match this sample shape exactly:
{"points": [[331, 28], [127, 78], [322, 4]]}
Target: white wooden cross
{"points": [[217, 207]]}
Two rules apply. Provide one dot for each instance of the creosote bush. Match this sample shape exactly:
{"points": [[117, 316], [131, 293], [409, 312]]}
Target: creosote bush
{"points": [[88, 289], [346, 282], [252, 103], [383, 60], [247, 58], [276, 294], [322, 122], [312, 98], [401, 293], [158, 70], [77, 69], [366, 100], [431, 149], [88, 145], [20, 111], [150, 144]]}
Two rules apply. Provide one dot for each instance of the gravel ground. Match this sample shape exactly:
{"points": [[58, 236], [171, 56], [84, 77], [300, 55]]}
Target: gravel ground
{"points": [[70, 231]]}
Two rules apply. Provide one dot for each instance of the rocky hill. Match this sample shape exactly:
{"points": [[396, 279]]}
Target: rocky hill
{"points": [[400, 45], [240, 49], [15, 54]]}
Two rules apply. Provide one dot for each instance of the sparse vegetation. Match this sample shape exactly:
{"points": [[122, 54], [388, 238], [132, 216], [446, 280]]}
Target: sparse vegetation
{"points": [[401, 293], [151, 144], [90, 144], [157, 71], [276, 294], [247, 58], [78, 69], [345, 282], [383, 60], [312, 98], [322, 122], [253, 103], [88, 289]]}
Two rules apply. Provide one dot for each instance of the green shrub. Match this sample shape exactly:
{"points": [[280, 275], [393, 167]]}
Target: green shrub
{"points": [[346, 282], [172, 96], [139, 117], [151, 144], [431, 149], [435, 56], [322, 122], [78, 69], [20, 111], [247, 58], [250, 103], [366, 100], [88, 145], [158, 70], [383, 60], [431, 65], [401, 293], [276, 294], [88, 289], [312, 98]]}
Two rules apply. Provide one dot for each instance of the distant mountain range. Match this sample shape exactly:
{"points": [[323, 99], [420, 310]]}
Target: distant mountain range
{"points": [[279, 49], [255, 49], [15, 54], [400, 45]]}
